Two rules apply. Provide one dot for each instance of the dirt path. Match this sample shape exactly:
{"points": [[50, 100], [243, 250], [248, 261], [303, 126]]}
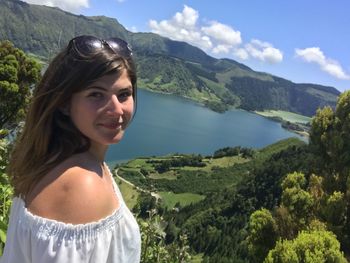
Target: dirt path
{"points": [[157, 196]]}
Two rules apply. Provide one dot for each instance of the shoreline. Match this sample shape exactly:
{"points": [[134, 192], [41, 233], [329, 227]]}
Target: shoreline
{"points": [[300, 128], [273, 117]]}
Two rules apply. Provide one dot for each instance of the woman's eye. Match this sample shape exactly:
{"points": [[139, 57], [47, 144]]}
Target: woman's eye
{"points": [[124, 95], [96, 95]]}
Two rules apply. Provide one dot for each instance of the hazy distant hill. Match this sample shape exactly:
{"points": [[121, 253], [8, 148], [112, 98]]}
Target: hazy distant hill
{"points": [[164, 65]]}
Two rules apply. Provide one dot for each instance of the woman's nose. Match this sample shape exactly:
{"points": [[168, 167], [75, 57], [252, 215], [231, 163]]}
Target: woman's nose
{"points": [[114, 105]]}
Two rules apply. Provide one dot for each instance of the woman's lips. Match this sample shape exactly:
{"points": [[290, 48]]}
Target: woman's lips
{"points": [[112, 126]]}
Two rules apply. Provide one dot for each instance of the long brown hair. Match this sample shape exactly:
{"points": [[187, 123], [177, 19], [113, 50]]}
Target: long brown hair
{"points": [[49, 136]]}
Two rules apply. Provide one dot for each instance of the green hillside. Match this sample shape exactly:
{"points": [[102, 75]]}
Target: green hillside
{"points": [[214, 195]]}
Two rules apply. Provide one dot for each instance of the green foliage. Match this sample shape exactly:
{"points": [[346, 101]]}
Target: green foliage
{"points": [[298, 201], [330, 143], [18, 73], [309, 247], [335, 209], [316, 190], [287, 227], [181, 161], [277, 93], [153, 236], [299, 204], [218, 226], [216, 106], [169, 199], [294, 180], [234, 151], [317, 203], [145, 204], [153, 247], [262, 234], [6, 192], [194, 177], [166, 74]]}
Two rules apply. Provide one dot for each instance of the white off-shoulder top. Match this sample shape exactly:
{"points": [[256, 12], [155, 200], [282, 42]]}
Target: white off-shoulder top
{"points": [[34, 239]]}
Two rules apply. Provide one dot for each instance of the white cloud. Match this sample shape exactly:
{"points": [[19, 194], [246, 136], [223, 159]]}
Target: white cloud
{"points": [[241, 53], [187, 19], [221, 49], [67, 5], [183, 27], [213, 37], [315, 55], [223, 34], [263, 51]]}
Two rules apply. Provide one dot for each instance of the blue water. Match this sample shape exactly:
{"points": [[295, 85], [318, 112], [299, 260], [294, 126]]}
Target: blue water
{"points": [[168, 124]]}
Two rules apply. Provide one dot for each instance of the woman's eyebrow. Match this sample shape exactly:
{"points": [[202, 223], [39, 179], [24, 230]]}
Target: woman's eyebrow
{"points": [[96, 87], [128, 88]]}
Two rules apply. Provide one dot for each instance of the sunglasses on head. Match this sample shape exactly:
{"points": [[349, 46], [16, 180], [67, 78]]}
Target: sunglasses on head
{"points": [[90, 44]]}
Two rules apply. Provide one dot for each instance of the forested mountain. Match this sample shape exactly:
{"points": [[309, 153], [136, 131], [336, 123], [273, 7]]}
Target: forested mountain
{"points": [[164, 65]]}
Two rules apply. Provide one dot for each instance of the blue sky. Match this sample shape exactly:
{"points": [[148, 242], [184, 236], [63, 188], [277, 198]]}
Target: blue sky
{"points": [[305, 41]]}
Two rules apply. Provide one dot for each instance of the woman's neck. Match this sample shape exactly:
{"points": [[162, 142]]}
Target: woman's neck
{"points": [[98, 152]]}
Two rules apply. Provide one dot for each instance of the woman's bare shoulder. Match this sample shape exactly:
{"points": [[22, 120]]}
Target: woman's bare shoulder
{"points": [[73, 192]]}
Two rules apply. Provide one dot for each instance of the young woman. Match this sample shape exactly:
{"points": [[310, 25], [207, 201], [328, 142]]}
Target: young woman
{"points": [[67, 207]]}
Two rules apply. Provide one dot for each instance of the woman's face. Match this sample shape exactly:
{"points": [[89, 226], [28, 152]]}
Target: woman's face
{"points": [[103, 110]]}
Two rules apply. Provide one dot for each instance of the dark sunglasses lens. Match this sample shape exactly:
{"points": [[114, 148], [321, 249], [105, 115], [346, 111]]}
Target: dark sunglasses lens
{"points": [[119, 46], [87, 44]]}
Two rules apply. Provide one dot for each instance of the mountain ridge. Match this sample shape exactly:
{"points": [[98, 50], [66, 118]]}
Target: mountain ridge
{"points": [[164, 65]]}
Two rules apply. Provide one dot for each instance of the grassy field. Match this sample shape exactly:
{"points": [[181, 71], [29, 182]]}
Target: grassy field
{"points": [[184, 178], [170, 175], [285, 115], [187, 184], [130, 194], [140, 163], [223, 162], [170, 199]]}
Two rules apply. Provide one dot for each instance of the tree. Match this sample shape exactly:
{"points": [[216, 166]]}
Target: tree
{"points": [[309, 247], [335, 209], [145, 204], [154, 249], [298, 202], [330, 144], [262, 234], [18, 73], [6, 192], [316, 191], [294, 180]]}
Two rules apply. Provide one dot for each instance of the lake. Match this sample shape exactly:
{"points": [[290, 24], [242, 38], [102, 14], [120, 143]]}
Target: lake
{"points": [[168, 124]]}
